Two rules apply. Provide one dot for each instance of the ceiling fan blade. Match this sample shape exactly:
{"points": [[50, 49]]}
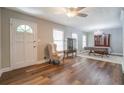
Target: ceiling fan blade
{"points": [[82, 15], [75, 9], [80, 8]]}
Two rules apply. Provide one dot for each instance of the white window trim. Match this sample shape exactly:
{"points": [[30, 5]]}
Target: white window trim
{"points": [[76, 40], [84, 40], [59, 40]]}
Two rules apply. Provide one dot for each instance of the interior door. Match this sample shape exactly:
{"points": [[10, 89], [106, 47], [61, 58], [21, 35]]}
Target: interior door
{"points": [[23, 43]]}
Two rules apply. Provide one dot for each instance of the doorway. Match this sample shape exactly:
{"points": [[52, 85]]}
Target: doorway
{"points": [[23, 43]]}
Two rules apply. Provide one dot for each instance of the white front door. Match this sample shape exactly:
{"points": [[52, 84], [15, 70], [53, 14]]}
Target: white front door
{"points": [[23, 43]]}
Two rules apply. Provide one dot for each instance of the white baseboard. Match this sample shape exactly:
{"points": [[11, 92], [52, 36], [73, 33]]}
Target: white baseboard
{"points": [[2, 70], [119, 54], [6, 69], [42, 61]]}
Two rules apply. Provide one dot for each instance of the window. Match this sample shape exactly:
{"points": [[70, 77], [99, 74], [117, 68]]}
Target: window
{"points": [[58, 39], [84, 41], [75, 36], [24, 28]]}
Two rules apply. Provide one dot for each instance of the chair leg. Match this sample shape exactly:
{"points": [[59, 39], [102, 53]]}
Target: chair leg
{"points": [[50, 61]]}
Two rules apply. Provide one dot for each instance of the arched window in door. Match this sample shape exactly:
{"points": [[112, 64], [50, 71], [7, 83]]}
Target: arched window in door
{"points": [[24, 28]]}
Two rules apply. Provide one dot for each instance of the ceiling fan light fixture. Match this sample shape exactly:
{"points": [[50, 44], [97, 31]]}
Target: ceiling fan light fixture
{"points": [[72, 12], [69, 14]]}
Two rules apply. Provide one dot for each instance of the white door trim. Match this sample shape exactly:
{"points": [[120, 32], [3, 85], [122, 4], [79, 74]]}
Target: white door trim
{"points": [[12, 40], [0, 72]]}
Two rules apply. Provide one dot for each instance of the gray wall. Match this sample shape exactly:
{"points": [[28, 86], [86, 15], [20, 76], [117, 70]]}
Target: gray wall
{"points": [[44, 34], [122, 22], [0, 38], [90, 39], [116, 39], [123, 37]]}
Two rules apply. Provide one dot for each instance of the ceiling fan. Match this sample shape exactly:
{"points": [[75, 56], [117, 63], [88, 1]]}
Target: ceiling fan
{"points": [[72, 11]]}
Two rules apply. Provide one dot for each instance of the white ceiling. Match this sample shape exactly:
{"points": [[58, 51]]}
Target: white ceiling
{"points": [[98, 17]]}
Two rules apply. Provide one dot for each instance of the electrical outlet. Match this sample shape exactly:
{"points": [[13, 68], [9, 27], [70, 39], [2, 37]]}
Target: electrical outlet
{"points": [[45, 57]]}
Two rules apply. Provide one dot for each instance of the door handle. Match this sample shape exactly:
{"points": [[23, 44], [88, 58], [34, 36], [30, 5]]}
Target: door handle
{"points": [[34, 44]]}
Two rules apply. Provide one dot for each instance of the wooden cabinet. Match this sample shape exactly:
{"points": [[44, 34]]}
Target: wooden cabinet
{"points": [[71, 44]]}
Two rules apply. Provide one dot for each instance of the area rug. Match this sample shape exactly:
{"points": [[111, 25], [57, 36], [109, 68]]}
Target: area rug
{"points": [[111, 58]]}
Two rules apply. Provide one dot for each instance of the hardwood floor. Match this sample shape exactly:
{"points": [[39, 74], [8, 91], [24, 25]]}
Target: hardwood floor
{"points": [[76, 71]]}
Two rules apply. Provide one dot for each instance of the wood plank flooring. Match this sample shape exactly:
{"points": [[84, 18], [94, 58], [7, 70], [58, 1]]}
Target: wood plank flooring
{"points": [[74, 71]]}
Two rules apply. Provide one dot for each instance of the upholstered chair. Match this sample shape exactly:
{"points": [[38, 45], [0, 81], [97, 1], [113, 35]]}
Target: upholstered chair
{"points": [[53, 53]]}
